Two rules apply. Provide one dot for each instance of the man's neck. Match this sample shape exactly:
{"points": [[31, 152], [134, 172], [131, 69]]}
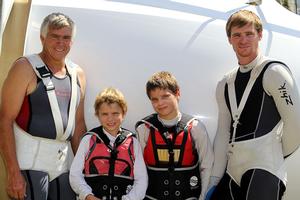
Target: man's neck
{"points": [[56, 67], [247, 60]]}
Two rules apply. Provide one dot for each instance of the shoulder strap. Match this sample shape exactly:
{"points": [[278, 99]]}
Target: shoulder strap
{"points": [[123, 136], [44, 74], [152, 121], [102, 137], [184, 122], [71, 67]]}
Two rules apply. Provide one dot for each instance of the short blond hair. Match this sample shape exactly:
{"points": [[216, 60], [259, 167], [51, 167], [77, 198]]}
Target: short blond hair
{"points": [[110, 95], [162, 80], [242, 18]]}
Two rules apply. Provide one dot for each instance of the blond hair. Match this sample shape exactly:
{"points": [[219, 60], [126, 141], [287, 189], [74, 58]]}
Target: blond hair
{"points": [[110, 95]]}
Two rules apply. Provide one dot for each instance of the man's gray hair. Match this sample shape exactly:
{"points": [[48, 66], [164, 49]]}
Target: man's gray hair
{"points": [[57, 21]]}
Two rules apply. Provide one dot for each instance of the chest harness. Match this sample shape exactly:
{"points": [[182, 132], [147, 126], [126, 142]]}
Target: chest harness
{"points": [[42, 154], [264, 152], [108, 168], [172, 160]]}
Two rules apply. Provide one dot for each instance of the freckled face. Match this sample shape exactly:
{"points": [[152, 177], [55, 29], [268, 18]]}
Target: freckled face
{"points": [[111, 117]]}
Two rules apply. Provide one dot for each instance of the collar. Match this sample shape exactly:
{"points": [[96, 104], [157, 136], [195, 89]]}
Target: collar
{"points": [[111, 137], [257, 61], [171, 122]]}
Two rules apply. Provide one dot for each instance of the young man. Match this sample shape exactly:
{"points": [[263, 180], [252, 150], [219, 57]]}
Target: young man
{"points": [[177, 150], [258, 126], [41, 111]]}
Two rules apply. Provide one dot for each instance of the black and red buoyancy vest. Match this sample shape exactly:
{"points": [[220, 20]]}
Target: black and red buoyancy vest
{"points": [[172, 160], [109, 169]]}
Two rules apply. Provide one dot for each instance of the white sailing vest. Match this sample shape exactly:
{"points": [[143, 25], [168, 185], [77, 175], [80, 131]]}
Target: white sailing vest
{"points": [[43, 154], [264, 152]]}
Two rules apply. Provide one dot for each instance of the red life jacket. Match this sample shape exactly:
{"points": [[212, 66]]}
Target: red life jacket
{"points": [[171, 159], [109, 167], [163, 142]]}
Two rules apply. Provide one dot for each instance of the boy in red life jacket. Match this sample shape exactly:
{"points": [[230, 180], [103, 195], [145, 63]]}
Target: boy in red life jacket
{"points": [[176, 146], [109, 163]]}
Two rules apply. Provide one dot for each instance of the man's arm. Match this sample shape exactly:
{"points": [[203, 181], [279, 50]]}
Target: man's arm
{"points": [[80, 127], [222, 137], [280, 84], [20, 80]]}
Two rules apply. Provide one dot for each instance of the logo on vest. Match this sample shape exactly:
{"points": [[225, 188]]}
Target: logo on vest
{"points": [[193, 181], [129, 188], [284, 94]]}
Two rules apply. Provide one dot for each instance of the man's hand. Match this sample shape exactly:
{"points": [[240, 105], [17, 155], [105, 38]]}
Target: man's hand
{"points": [[16, 186]]}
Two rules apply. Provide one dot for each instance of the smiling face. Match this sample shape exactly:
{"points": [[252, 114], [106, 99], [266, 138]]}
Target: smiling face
{"points": [[111, 117], [245, 42], [165, 103], [57, 43]]}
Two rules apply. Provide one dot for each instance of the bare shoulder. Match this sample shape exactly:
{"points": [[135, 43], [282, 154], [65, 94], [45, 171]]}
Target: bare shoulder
{"points": [[18, 83], [80, 72], [21, 72], [22, 65], [81, 78]]}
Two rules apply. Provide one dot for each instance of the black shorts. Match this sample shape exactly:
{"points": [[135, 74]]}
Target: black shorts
{"points": [[256, 184], [38, 186]]}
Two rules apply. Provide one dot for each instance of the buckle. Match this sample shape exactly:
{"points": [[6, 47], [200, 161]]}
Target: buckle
{"points": [[43, 71], [49, 86]]}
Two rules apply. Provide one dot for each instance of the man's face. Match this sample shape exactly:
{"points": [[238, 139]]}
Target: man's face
{"points": [[165, 103], [57, 43], [245, 42]]}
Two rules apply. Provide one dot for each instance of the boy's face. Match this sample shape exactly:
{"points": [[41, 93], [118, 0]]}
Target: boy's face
{"points": [[165, 103], [111, 117]]}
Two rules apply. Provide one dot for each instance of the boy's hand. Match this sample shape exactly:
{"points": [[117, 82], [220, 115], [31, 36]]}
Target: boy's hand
{"points": [[91, 197], [210, 192]]}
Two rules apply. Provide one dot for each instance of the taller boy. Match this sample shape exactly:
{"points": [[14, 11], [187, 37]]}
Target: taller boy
{"points": [[177, 150], [257, 100]]}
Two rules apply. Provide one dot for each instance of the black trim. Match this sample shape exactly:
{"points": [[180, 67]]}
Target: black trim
{"points": [[30, 184], [43, 71], [58, 188]]}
